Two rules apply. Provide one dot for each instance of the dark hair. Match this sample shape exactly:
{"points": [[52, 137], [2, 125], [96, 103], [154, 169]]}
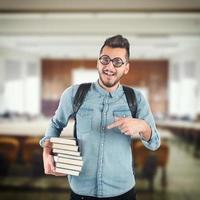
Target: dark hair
{"points": [[117, 41]]}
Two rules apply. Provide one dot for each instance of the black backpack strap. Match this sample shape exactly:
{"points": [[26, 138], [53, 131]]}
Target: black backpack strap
{"points": [[131, 100], [80, 96], [78, 101]]}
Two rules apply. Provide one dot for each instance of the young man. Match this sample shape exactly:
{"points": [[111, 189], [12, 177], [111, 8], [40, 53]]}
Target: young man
{"points": [[105, 129]]}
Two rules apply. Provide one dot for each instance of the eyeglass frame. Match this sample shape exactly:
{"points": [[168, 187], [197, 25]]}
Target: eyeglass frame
{"points": [[112, 61]]}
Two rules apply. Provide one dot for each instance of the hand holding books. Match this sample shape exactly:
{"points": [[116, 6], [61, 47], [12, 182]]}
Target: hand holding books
{"points": [[67, 157]]}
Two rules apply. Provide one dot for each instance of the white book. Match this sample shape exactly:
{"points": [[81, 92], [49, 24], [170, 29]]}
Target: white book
{"points": [[68, 166], [65, 147], [70, 157], [67, 171], [73, 153], [68, 161], [62, 140]]}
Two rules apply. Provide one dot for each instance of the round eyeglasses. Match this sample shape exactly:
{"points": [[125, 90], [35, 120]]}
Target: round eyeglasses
{"points": [[105, 60]]}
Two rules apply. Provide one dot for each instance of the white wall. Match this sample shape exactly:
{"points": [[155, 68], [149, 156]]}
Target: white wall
{"points": [[82, 75], [184, 84], [20, 82], [1, 86]]}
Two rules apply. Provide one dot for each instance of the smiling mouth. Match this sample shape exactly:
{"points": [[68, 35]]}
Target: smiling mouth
{"points": [[109, 73]]}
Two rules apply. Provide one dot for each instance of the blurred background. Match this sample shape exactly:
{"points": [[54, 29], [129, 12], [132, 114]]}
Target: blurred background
{"points": [[46, 45]]}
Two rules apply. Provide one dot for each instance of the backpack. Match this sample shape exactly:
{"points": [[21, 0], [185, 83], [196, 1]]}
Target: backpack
{"points": [[83, 90]]}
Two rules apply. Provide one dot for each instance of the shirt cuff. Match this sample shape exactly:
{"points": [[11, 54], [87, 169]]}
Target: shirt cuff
{"points": [[42, 141], [154, 141]]}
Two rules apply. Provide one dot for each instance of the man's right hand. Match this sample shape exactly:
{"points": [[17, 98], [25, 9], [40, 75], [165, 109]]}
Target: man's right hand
{"points": [[49, 167]]}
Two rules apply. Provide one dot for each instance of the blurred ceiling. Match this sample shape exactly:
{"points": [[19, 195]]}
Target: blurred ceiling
{"points": [[71, 29], [99, 6]]}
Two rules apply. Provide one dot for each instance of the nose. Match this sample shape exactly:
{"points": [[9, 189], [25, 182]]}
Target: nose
{"points": [[110, 66]]}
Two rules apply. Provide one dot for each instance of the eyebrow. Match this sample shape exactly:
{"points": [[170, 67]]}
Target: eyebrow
{"points": [[112, 58]]}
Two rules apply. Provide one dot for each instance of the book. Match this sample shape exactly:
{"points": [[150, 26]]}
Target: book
{"points": [[67, 156], [73, 153], [62, 140], [65, 147], [67, 171], [68, 166], [68, 161], [70, 157]]}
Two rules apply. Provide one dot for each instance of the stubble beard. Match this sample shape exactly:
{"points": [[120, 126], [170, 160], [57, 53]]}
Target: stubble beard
{"points": [[109, 84]]}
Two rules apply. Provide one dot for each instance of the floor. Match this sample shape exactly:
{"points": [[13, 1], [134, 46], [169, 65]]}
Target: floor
{"points": [[183, 174]]}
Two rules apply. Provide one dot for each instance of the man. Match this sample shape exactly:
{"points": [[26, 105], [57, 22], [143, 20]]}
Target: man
{"points": [[105, 129]]}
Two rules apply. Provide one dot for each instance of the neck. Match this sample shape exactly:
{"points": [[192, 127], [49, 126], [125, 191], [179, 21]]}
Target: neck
{"points": [[108, 89]]}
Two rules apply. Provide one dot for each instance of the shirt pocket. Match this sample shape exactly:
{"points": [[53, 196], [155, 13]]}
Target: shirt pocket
{"points": [[84, 120], [120, 113]]}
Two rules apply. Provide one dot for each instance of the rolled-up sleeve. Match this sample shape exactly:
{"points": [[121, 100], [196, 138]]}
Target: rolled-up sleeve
{"points": [[144, 112], [61, 116]]}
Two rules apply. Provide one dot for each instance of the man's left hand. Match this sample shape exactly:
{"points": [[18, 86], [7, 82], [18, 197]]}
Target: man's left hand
{"points": [[131, 126]]}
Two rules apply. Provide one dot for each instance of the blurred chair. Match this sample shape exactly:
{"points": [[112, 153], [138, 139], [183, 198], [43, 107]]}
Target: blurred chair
{"points": [[147, 162], [9, 148], [32, 155], [162, 155]]}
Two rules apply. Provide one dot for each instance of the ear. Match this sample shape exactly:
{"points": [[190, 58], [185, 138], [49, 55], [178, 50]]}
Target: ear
{"points": [[126, 69]]}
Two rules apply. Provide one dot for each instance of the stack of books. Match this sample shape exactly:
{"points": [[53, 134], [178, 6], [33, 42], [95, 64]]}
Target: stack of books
{"points": [[67, 156]]}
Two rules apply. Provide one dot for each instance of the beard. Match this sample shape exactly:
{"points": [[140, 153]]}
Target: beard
{"points": [[109, 83]]}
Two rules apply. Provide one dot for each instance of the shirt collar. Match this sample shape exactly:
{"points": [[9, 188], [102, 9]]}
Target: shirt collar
{"points": [[103, 92]]}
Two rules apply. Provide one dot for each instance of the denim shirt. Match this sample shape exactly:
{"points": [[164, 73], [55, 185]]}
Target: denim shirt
{"points": [[107, 157]]}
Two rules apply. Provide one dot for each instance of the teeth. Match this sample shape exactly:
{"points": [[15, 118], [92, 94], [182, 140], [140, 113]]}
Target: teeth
{"points": [[109, 74]]}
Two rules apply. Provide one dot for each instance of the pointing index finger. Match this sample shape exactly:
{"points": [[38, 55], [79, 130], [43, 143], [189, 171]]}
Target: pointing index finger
{"points": [[118, 122]]}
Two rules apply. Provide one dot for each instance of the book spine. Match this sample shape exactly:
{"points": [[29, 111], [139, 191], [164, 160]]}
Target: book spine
{"points": [[68, 166], [63, 140], [65, 147], [67, 171], [73, 153], [70, 157], [69, 161]]}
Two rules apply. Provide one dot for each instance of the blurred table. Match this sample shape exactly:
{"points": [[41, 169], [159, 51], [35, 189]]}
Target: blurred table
{"points": [[188, 130], [35, 127], [28, 130], [179, 124]]}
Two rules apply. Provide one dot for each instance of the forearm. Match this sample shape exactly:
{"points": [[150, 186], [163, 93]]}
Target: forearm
{"points": [[47, 148]]}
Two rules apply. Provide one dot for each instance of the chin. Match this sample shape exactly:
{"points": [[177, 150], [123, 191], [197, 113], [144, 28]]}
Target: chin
{"points": [[109, 85]]}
